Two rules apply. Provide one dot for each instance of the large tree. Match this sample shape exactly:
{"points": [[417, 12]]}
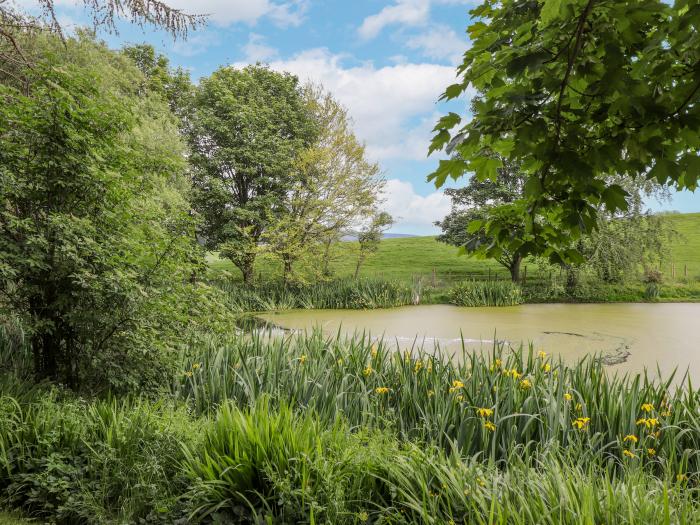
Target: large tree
{"points": [[95, 231], [247, 131], [476, 203], [333, 187], [574, 92]]}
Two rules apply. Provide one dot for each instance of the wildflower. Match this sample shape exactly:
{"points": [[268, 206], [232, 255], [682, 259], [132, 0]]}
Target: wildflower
{"points": [[456, 385], [525, 384], [381, 390], [367, 371], [512, 373], [681, 478], [460, 398], [417, 366], [498, 363], [581, 422], [431, 393], [406, 356], [651, 451], [648, 422], [628, 453], [302, 359], [481, 482], [484, 412], [363, 516], [579, 407], [488, 425], [568, 396], [630, 437], [373, 351], [547, 368], [195, 366], [647, 407], [188, 373], [666, 413], [541, 354]]}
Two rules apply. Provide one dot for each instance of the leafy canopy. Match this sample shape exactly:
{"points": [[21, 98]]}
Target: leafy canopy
{"points": [[576, 92]]}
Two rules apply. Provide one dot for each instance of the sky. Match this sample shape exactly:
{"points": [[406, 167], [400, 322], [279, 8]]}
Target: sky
{"points": [[387, 61]]}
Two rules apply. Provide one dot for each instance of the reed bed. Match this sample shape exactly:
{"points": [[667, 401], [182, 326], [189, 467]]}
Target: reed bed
{"points": [[337, 294], [486, 293], [317, 429]]}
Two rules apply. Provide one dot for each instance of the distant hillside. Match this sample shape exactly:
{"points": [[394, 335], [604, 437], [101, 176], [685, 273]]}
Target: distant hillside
{"points": [[405, 257]]}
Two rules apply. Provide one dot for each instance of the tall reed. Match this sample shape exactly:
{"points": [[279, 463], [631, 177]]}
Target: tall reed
{"points": [[486, 293]]}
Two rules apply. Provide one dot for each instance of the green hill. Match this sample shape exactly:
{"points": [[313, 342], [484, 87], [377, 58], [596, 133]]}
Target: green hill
{"points": [[409, 258]]}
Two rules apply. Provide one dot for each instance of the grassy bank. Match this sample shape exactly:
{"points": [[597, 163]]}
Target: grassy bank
{"points": [[438, 268], [314, 430]]}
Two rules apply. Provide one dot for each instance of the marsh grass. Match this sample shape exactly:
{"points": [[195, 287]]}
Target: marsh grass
{"points": [[316, 429], [337, 294], [486, 293]]}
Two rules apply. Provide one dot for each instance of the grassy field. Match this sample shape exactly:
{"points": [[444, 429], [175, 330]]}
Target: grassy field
{"points": [[406, 259]]}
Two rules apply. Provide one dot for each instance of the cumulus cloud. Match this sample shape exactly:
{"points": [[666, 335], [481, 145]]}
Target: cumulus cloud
{"points": [[227, 12], [223, 12], [412, 212], [403, 12], [256, 50], [388, 104], [440, 42]]}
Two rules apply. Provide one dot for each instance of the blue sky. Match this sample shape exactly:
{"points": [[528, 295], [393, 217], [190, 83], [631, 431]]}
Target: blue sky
{"points": [[387, 61]]}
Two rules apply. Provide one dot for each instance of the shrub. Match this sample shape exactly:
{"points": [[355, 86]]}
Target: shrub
{"points": [[486, 293]]}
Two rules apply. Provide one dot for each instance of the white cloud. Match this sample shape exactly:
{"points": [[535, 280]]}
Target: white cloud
{"points": [[403, 12], [195, 44], [256, 50], [222, 12], [227, 12], [412, 212], [385, 102], [440, 42], [406, 13]]}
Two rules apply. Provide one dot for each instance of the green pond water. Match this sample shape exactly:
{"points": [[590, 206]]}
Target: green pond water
{"points": [[630, 336]]}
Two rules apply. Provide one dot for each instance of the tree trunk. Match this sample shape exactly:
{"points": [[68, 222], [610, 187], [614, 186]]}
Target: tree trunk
{"points": [[327, 257], [246, 264], [357, 268], [514, 268], [287, 261]]}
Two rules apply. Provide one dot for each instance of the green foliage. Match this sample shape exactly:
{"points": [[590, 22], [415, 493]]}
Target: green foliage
{"points": [[96, 235], [341, 293], [576, 92], [342, 431], [370, 237], [486, 293], [246, 130]]}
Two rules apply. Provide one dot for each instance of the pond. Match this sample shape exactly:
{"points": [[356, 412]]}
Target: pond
{"points": [[630, 336]]}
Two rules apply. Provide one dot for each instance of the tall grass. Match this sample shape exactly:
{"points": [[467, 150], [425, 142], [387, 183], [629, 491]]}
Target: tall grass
{"points": [[532, 400], [486, 293], [312, 429], [338, 294]]}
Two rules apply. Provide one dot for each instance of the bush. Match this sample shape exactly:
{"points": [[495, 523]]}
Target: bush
{"points": [[486, 293]]}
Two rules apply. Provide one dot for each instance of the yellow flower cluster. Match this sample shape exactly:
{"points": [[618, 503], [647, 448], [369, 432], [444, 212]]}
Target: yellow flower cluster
{"points": [[302, 359], [630, 437], [647, 407], [381, 390], [456, 385], [367, 371], [488, 425], [541, 354], [484, 412], [525, 384], [512, 373], [581, 423], [568, 396], [629, 453], [373, 351], [650, 422]]}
